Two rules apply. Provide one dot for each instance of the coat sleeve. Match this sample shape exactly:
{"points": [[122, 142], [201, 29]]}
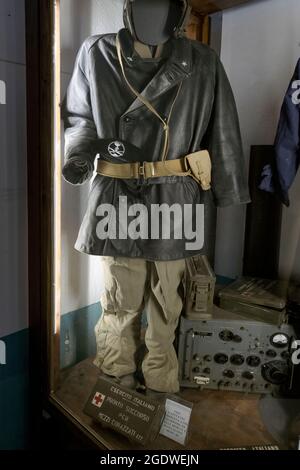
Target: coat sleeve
{"points": [[278, 177], [80, 129], [223, 141]]}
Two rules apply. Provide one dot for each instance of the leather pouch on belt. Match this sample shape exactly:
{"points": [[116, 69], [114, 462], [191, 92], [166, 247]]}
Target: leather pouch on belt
{"points": [[200, 165]]}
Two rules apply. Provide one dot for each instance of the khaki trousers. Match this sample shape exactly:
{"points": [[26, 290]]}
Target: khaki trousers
{"points": [[132, 285]]}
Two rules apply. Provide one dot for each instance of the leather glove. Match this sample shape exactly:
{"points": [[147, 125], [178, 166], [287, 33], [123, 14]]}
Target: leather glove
{"points": [[77, 170]]}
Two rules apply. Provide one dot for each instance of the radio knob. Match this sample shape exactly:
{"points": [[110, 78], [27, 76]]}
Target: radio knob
{"points": [[253, 361], [248, 375], [275, 372], [285, 355], [196, 358], [228, 373], [226, 335], [237, 339], [221, 358], [237, 359], [196, 369], [208, 358]]}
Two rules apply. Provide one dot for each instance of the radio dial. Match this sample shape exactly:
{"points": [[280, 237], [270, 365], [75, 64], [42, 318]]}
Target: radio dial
{"points": [[279, 340]]}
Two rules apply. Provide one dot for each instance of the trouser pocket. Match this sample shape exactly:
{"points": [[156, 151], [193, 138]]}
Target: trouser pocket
{"points": [[118, 331]]}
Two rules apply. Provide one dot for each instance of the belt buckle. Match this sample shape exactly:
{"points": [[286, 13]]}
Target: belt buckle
{"points": [[142, 170], [186, 165]]}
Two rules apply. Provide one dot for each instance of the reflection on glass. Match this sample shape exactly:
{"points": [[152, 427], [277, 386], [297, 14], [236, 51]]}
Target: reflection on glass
{"points": [[235, 347]]}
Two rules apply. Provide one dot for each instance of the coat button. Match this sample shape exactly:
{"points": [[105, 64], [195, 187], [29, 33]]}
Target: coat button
{"points": [[127, 119]]}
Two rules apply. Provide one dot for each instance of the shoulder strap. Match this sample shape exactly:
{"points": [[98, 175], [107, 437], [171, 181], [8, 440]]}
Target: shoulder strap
{"points": [[147, 103]]}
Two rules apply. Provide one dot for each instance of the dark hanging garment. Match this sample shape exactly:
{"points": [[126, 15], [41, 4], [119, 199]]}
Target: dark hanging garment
{"points": [[279, 176]]}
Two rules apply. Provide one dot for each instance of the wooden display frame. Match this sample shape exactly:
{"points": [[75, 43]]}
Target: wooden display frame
{"points": [[44, 170]]}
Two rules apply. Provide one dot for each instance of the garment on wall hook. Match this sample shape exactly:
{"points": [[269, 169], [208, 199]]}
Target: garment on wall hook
{"points": [[279, 176]]}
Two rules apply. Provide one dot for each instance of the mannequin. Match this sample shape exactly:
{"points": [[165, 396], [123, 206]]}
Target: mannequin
{"points": [[163, 19], [163, 16], [163, 111]]}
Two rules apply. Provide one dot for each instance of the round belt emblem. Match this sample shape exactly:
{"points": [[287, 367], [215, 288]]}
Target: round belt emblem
{"points": [[116, 149]]}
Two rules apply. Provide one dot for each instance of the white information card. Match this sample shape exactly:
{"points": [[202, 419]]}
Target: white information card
{"points": [[176, 422]]}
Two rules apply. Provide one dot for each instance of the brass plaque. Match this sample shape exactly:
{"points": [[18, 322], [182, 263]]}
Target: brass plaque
{"points": [[125, 411]]}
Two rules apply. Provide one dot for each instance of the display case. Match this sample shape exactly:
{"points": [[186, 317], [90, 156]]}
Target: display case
{"points": [[235, 366]]}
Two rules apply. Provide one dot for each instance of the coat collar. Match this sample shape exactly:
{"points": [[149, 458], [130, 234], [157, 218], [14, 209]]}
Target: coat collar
{"points": [[176, 66]]}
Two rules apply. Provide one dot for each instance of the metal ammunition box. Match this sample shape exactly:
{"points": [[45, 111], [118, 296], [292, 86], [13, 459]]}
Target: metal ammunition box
{"points": [[258, 299], [199, 285]]}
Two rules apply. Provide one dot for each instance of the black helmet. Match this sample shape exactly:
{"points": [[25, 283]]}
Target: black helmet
{"points": [[154, 22]]}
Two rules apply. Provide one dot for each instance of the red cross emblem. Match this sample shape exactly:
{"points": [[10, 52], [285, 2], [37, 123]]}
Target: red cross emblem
{"points": [[98, 399]]}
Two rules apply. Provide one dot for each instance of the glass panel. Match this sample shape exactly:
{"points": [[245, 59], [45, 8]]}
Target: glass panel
{"points": [[235, 349], [14, 257]]}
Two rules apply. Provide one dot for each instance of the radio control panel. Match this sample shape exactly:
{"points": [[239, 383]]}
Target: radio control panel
{"points": [[234, 353]]}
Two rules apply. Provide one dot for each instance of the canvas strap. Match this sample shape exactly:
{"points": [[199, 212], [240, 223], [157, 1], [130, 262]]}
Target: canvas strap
{"points": [[145, 51], [196, 165], [165, 123]]}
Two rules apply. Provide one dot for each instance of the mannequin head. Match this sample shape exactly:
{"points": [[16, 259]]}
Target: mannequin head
{"points": [[154, 22]]}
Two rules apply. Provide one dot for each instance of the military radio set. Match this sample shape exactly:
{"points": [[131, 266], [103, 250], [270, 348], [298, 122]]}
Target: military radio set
{"points": [[245, 343]]}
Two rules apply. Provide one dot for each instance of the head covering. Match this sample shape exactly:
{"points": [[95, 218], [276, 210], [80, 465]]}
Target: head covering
{"points": [[154, 22]]}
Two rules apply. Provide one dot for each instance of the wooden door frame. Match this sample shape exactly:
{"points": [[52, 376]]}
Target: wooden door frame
{"points": [[39, 75]]}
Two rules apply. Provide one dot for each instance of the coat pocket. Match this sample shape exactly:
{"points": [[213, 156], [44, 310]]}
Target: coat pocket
{"points": [[192, 188]]}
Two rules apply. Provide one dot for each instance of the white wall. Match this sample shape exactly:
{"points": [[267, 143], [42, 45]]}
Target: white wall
{"points": [[260, 48], [13, 174], [81, 274]]}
